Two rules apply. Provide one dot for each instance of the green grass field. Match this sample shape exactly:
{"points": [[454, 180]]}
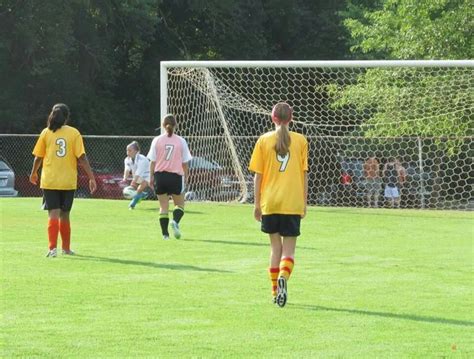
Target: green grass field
{"points": [[367, 283]]}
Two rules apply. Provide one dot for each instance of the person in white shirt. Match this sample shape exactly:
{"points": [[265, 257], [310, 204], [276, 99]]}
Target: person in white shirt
{"points": [[139, 167], [169, 157]]}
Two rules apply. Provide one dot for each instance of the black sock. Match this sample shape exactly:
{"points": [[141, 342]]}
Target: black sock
{"points": [[164, 220], [178, 213]]}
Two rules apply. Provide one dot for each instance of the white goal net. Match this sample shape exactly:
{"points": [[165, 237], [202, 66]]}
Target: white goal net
{"points": [[371, 126]]}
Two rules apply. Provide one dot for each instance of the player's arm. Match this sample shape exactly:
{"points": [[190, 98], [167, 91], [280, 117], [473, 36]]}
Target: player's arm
{"points": [[186, 172], [84, 163], [37, 162], [257, 184], [135, 179], [152, 173], [126, 172], [305, 193], [403, 175]]}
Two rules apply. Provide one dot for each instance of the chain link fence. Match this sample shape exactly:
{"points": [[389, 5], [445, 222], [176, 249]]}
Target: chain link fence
{"points": [[435, 178]]}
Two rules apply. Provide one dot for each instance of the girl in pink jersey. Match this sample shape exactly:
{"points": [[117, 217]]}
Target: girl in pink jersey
{"points": [[169, 156]]}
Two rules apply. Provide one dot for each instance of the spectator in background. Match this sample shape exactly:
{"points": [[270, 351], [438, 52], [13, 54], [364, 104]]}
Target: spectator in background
{"points": [[402, 176], [139, 167], [347, 193], [395, 175], [373, 181]]}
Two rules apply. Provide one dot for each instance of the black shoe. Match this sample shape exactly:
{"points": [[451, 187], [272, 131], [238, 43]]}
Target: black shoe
{"points": [[282, 294]]}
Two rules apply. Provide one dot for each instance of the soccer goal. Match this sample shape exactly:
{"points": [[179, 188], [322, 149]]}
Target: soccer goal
{"points": [[370, 125]]}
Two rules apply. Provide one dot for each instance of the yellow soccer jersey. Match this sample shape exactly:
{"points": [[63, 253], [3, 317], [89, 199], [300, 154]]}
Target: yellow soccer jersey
{"points": [[60, 151], [282, 190]]}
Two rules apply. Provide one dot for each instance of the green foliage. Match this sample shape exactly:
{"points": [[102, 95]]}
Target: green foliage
{"points": [[409, 101], [102, 57], [409, 29]]}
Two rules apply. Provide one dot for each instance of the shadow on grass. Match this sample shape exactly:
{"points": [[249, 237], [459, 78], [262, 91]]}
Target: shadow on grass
{"points": [[171, 207], [414, 317], [171, 266], [255, 244]]}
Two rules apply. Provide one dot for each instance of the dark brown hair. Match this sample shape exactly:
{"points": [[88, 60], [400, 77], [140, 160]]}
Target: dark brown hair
{"points": [[169, 124], [58, 117]]}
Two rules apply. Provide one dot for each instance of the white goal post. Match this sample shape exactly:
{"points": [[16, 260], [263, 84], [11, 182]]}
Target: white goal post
{"points": [[414, 117]]}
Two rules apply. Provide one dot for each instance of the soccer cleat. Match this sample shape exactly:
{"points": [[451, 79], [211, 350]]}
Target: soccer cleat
{"points": [[282, 294], [52, 253], [176, 232], [165, 237], [68, 252], [274, 300]]}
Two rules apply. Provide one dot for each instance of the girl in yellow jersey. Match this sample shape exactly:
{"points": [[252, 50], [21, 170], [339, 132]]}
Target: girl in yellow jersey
{"points": [[59, 149], [280, 163]]}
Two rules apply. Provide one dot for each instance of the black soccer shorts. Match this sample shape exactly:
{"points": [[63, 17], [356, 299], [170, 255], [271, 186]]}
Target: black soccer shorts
{"points": [[58, 199], [288, 225], [168, 183]]}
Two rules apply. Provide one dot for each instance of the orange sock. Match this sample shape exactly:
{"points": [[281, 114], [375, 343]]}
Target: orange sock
{"points": [[273, 272], [286, 267], [53, 230], [65, 230]]}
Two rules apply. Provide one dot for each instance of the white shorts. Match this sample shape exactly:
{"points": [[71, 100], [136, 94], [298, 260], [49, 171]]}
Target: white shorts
{"points": [[140, 179], [391, 192]]}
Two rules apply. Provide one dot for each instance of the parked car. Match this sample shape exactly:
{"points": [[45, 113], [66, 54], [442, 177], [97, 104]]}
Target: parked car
{"points": [[7, 180], [109, 182], [210, 181]]}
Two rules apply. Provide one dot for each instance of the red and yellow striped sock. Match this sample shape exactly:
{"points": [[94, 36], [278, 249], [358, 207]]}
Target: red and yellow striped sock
{"points": [[273, 272], [53, 230], [65, 230], [286, 267]]}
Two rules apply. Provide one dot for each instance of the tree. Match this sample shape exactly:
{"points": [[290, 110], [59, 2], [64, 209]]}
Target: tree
{"points": [[408, 29], [410, 101]]}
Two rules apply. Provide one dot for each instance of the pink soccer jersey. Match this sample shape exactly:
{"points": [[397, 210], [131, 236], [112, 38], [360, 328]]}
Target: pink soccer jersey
{"points": [[169, 153]]}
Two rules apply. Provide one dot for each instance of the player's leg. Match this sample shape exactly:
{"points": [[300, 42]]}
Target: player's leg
{"points": [[162, 189], [53, 231], [388, 197], [65, 230], [396, 197], [66, 200], [142, 185], [287, 261], [164, 217], [275, 257], [377, 190], [289, 230], [178, 211], [269, 225], [51, 203]]}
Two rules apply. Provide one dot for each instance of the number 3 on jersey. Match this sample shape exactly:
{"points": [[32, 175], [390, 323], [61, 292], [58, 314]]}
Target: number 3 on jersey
{"points": [[283, 161], [61, 151]]}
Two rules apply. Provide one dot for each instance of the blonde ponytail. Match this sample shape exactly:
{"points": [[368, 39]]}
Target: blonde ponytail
{"points": [[282, 146]]}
